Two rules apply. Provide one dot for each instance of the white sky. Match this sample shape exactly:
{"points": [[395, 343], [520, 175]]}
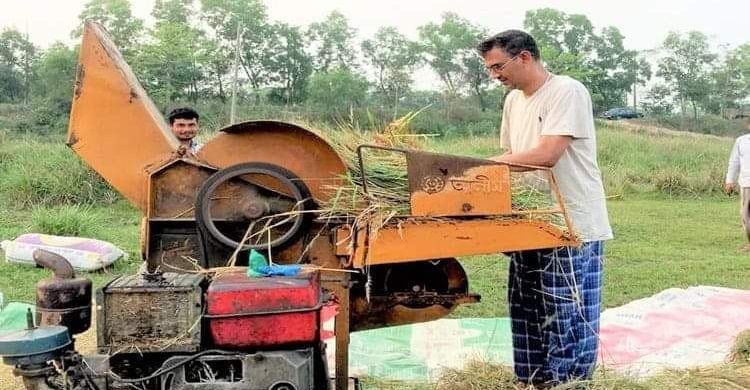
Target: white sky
{"points": [[644, 23]]}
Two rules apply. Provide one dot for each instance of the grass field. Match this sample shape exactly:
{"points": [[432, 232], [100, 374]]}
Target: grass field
{"points": [[673, 228]]}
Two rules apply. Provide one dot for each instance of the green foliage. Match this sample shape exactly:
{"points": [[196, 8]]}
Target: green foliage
{"points": [[642, 160], [686, 68], [17, 55], [393, 57], [55, 74], [569, 45], [67, 220], [225, 17], [288, 63], [337, 91], [449, 49], [168, 65], [117, 17], [45, 116], [34, 172], [706, 124], [658, 100], [332, 43]]}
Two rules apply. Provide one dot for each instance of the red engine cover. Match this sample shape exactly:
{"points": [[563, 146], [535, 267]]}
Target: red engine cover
{"points": [[260, 312]]}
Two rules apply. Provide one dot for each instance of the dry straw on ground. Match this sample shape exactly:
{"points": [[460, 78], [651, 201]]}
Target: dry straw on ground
{"points": [[734, 375]]}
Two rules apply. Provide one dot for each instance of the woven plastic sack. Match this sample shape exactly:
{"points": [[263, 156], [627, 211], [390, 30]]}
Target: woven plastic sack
{"points": [[84, 254]]}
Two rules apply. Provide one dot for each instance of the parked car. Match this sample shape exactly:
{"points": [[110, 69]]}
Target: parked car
{"points": [[621, 113]]}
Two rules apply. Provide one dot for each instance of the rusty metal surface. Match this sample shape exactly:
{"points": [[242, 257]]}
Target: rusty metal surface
{"points": [[63, 299], [174, 187], [448, 185], [284, 144], [415, 239], [406, 293], [444, 185], [134, 315], [114, 126]]}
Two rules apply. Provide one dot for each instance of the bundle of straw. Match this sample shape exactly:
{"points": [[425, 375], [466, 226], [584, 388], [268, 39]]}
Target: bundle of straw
{"points": [[387, 180]]}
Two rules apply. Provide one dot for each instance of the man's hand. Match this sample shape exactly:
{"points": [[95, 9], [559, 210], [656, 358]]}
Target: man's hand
{"points": [[546, 154], [729, 188]]}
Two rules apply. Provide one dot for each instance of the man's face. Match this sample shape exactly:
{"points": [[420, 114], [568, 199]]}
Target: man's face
{"points": [[503, 67], [185, 129]]}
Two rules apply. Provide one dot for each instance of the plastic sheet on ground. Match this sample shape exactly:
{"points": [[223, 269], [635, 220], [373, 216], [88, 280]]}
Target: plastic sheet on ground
{"points": [[677, 328], [420, 352], [84, 254], [13, 316]]}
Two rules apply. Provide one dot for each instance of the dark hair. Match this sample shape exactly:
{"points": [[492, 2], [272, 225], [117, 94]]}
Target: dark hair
{"points": [[182, 113], [510, 41]]}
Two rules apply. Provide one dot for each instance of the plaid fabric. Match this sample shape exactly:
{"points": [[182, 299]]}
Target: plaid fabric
{"points": [[554, 298]]}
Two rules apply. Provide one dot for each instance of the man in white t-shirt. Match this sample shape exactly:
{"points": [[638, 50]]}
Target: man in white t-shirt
{"points": [[738, 172], [554, 295]]}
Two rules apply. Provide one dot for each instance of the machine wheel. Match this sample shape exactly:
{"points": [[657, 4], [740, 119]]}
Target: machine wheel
{"points": [[269, 200]]}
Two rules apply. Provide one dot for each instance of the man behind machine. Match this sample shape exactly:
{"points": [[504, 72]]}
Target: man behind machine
{"points": [[554, 295], [184, 124]]}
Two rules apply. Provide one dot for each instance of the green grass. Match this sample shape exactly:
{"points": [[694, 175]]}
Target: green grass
{"points": [[671, 227], [42, 171], [659, 243], [117, 223]]}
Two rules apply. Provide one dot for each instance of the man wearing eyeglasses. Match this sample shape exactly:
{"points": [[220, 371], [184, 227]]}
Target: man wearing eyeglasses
{"points": [[554, 295]]}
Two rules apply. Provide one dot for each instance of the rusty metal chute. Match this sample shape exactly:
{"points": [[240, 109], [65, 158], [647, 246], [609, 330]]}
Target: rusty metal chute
{"points": [[283, 144], [114, 126]]}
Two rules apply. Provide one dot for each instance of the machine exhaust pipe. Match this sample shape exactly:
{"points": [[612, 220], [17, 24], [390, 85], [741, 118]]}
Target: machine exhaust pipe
{"points": [[52, 261], [63, 299]]}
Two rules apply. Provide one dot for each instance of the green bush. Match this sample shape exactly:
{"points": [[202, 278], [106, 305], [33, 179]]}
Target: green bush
{"points": [[705, 124], [34, 173], [68, 220]]}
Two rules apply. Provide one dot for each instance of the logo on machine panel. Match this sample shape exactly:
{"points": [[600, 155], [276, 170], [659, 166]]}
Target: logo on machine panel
{"points": [[432, 184]]}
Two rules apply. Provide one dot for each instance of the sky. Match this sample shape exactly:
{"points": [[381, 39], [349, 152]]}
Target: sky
{"points": [[644, 23]]}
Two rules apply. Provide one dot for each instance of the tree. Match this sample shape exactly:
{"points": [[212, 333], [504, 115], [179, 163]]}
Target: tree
{"points": [[333, 43], [686, 68], [565, 43], [614, 71], [170, 63], [173, 11], [658, 100], [55, 74], [569, 45], [557, 30], [17, 56], [727, 85], [741, 57], [394, 58], [225, 17], [446, 47], [289, 64], [338, 90], [117, 18], [167, 65]]}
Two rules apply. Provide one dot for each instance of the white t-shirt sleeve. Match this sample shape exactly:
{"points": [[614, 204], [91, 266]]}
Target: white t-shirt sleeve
{"points": [[505, 125], [733, 169], [569, 112]]}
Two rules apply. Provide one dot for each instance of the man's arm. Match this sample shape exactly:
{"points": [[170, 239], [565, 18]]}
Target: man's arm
{"points": [[545, 154], [733, 168]]}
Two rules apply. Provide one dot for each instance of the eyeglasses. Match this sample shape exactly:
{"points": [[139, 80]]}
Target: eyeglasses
{"points": [[497, 68]]}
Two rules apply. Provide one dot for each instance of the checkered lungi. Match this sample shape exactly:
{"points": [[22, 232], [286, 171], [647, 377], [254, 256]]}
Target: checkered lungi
{"points": [[555, 297]]}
